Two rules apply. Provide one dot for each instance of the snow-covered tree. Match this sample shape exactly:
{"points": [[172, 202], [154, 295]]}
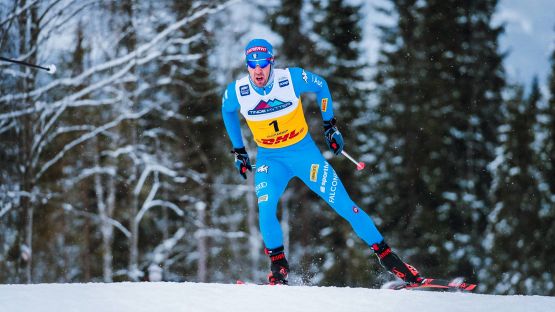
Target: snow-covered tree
{"points": [[517, 225], [89, 128], [440, 82]]}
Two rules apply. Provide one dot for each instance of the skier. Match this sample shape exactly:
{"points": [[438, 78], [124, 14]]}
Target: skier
{"points": [[270, 101]]}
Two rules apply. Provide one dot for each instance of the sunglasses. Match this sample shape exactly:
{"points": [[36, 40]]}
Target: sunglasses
{"points": [[262, 63]]}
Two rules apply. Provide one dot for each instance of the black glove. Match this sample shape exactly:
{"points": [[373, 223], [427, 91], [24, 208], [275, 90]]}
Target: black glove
{"points": [[333, 136], [242, 161]]}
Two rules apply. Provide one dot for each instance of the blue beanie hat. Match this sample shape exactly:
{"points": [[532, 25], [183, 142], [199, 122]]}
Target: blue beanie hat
{"points": [[259, 49]]}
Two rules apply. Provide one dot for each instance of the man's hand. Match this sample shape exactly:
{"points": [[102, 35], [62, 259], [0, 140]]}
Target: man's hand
{"points": [[242, 161], [333, 136]]}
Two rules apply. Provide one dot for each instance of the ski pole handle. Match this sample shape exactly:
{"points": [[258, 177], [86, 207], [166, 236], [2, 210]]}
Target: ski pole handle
{"points": [[360, 165]]}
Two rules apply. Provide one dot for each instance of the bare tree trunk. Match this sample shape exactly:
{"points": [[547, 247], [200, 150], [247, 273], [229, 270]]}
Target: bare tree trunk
{"points": [[106, 229], [134, 239], [87, 248], [130, 43], [29, 36], [202, 270], [29, 243]]}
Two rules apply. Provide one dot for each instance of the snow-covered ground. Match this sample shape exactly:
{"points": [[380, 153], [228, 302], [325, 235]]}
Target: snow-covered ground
{"points": [[193, 297]]}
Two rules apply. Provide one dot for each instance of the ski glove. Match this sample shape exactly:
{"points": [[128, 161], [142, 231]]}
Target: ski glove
{"points": [[333, 136], [242, 161]]}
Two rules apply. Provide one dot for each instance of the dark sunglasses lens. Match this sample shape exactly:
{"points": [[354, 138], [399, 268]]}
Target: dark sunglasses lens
{"points": [[261, 63]]}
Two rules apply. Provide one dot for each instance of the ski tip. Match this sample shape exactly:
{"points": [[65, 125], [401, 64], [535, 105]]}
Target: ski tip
{"points": [[457, 284], [470, 287], [460, 284]]}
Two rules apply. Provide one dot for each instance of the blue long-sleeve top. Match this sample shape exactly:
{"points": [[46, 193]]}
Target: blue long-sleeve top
{"points": [[303, 81]]}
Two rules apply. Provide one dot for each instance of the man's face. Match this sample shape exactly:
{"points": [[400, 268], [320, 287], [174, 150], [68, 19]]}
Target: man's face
{"points": [[259, 75]]}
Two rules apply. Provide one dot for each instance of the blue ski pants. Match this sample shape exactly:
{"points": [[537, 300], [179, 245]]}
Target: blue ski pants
{"points": [[276, 167]]}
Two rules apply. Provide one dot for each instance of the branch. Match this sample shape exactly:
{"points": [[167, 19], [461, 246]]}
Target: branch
{"points": [[18, 12], [128, 58], [160, 253], [96, 218], [149, 203], [86, 137], [87, 172], [157, 168], [219, 233]]}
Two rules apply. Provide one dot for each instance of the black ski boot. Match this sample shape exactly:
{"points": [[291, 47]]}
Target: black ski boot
{"points": [[279, 267], [389, 260]]}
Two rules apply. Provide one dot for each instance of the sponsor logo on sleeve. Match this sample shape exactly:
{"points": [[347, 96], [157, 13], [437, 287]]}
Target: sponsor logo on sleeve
{"points": [[316, 80], [244, 90], [314, 172], [355, 209], [324, 104], [305, 77]]}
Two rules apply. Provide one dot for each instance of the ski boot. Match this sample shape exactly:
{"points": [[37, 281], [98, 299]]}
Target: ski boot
{"points": [[390, 261], [279, 267]]}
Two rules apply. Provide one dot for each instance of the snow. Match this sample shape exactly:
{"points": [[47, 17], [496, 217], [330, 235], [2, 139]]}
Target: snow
{"points": [[191, 297]]}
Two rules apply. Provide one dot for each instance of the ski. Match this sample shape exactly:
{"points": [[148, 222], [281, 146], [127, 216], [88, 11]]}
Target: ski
{"points": [[457, 284], [240, 282]]}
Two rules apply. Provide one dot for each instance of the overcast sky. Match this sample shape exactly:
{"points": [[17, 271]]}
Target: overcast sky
{"points": [[529, 36]]}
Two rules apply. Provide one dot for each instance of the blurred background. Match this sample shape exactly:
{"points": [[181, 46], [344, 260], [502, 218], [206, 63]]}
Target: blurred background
{"points": [[117, 166]]}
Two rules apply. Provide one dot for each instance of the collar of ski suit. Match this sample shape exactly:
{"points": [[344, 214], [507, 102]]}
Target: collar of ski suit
{"points": [[268, 87]]}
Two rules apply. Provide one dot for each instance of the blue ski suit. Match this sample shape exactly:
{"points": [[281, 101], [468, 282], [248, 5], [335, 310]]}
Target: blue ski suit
{"points": [[275, 117]]}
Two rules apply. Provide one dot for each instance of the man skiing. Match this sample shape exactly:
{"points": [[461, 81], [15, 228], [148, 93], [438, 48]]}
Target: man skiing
{"points": [[270, 101]]}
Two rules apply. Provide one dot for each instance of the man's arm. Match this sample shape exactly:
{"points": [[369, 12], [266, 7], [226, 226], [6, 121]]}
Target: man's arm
{"points": [[230, 108], [305, 81]]}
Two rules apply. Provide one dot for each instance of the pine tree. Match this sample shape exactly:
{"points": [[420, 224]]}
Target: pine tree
{"points": [[287, 20], [440, 81], [549, 148], [336, 25], [542, 276], [197, 128], [515, 237]]}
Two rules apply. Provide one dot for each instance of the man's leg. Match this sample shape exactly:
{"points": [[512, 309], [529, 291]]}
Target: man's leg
{"points": [[322, 179], [271, 178]]}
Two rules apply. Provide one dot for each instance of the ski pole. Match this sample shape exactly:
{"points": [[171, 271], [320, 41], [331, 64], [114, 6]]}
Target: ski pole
{"points": [[51, 69], [360, 165]]}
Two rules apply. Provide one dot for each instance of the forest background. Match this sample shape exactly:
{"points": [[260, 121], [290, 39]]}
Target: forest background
{"points": [[117, 167]]}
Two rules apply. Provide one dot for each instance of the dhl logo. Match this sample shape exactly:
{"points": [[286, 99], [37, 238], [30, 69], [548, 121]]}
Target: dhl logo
{"points": [[282, 138]]}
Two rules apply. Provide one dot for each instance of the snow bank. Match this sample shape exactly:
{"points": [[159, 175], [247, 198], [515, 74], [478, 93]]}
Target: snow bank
{"points": [[192, 297]]}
